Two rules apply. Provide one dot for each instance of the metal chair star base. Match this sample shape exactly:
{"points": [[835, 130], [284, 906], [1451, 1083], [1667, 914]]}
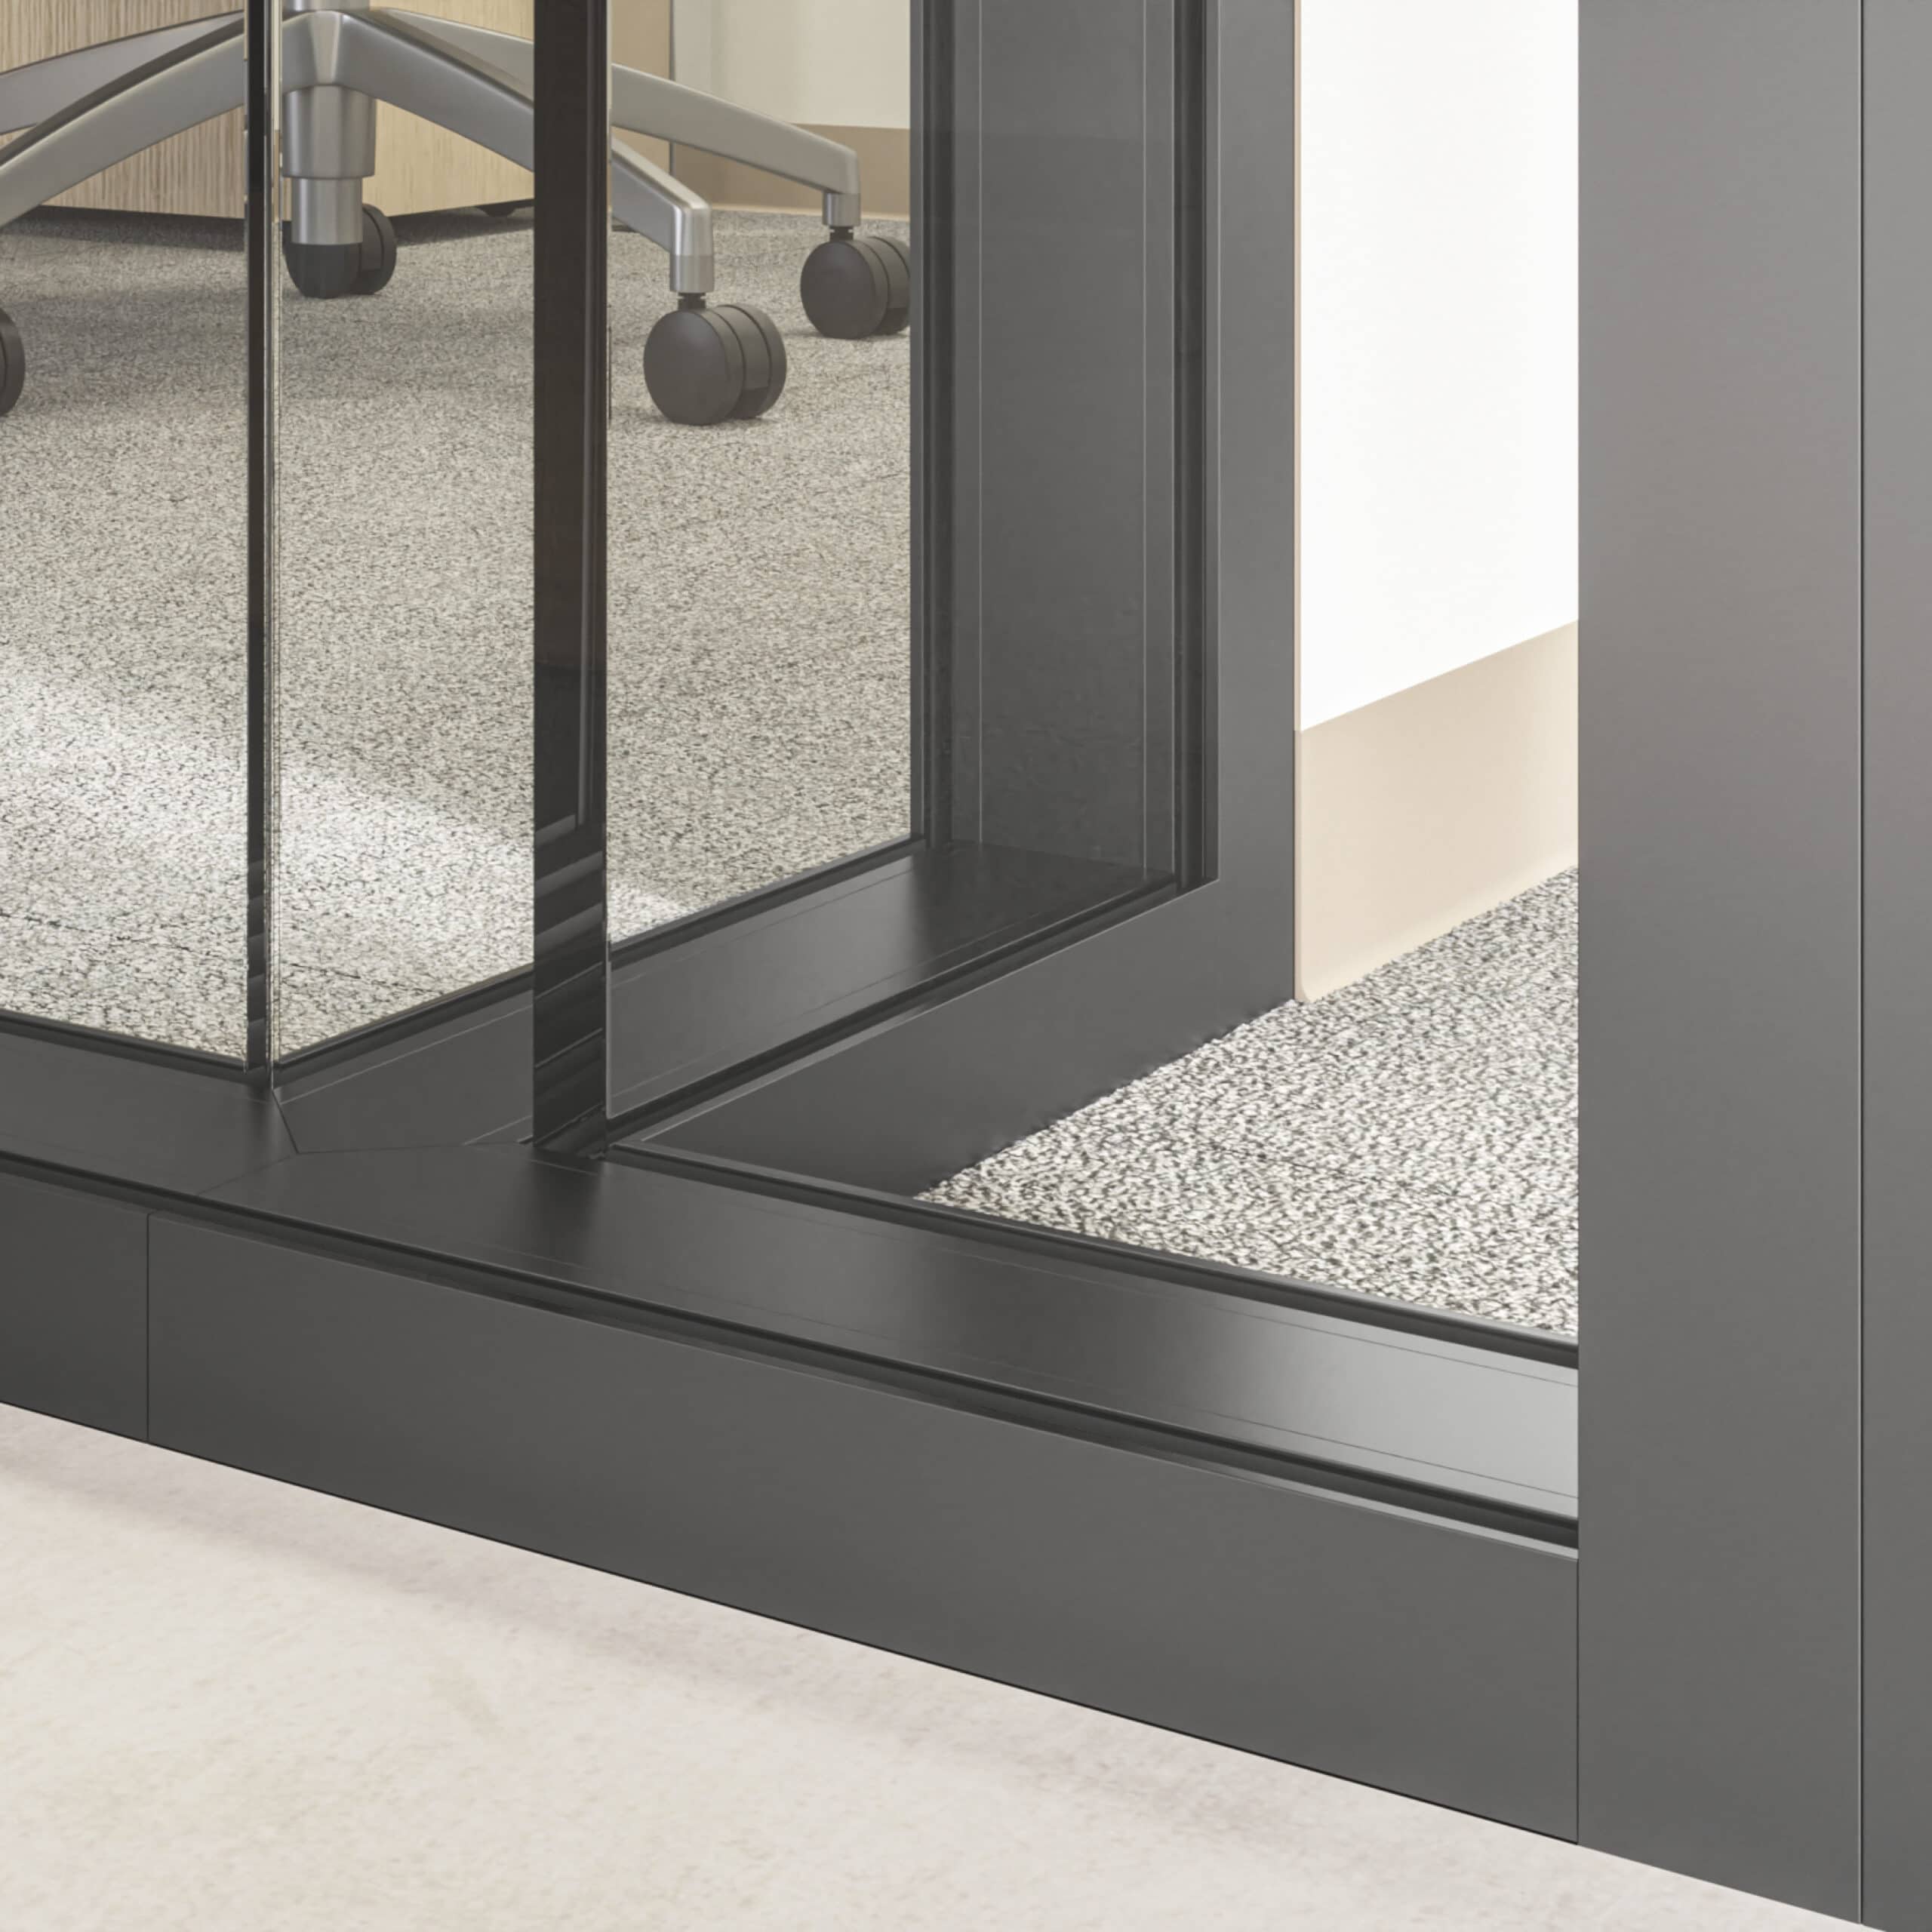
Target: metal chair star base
{"points": [[705, 363]]}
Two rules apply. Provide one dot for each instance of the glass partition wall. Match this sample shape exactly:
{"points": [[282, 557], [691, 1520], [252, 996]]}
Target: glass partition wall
{"points": [[1376, 1093], [1406, 1127], [1083, 1191], [125, 578], [866, 532], [403, 709]]}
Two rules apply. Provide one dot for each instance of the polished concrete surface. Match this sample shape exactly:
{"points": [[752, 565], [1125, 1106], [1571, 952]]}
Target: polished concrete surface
{"points": [[231, 1707]]}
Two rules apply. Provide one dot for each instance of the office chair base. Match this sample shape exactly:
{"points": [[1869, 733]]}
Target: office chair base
{"points": [[854, 286], [704, 365], [13, 363], [502, 210], [323, 271]]}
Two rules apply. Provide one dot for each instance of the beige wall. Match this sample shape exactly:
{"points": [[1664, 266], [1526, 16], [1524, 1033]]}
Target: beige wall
{"points": [[1438, 519], [1421, 811], [823, 63], [842, 67]]}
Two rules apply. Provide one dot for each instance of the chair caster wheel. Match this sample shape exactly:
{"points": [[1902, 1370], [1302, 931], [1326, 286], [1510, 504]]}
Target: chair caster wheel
{"points": [[323, 271], [704, 365], [13, 363], [378, 268], [857, 285], [502, 210]]}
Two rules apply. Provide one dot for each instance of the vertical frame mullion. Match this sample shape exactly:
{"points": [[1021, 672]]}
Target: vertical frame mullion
{"points": [[262, 226], [571, 937], [1897, 1305], [1190, 803], [1722, 636], [932, 425]]}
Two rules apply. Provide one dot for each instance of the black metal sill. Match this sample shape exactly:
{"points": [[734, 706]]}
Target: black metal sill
{"points": [[1085, 1340], [781, 971]]}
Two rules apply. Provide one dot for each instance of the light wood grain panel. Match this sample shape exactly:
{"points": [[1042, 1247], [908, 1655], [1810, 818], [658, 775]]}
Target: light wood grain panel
{"points": [[885, 156], [197, 173], [418, 167]]}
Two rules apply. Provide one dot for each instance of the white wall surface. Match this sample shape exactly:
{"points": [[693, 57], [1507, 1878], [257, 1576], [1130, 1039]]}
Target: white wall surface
{"points": [[1438, 338], [841, 64]]}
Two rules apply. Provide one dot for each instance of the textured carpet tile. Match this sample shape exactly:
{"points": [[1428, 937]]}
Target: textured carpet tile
{"points": [[760, 592], [1413, 1136]]}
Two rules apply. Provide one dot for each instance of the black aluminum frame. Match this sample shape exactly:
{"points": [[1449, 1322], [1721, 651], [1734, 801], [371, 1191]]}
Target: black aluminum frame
{"points": [[262, 230], [1261, 1516], [928, 1086], [569, 1005]]}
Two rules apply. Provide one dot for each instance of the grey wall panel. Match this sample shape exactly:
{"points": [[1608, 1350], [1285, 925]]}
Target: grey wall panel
{"points": [[1430, 1659], [1898, 965], [1721, 974], [1064, 387], [1253, 476], [73, 1306]]}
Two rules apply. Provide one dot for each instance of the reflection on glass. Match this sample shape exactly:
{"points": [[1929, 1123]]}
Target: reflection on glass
{"points": [[760, 562], [404, 712], [123, 568], [1407, 1128]]}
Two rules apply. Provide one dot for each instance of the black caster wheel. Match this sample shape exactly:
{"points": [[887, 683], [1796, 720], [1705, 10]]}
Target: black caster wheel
{"points": [[13, 363], [502, 210], [857, 285], [378, 268], [324, 271], [704, 365]]}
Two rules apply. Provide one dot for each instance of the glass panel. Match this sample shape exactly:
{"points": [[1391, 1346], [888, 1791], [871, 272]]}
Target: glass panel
{"points": [[404, 708], [1407, 1127], [124, 566], [865, 623], [760, 492]]}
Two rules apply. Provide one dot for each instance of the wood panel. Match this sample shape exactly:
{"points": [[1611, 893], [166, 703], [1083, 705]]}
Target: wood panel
{"points": [[885, 155], [197, 173], [419, 167]]}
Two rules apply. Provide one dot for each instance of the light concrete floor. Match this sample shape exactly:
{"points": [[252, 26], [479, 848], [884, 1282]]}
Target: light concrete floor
{"points": [[232, 1706]]}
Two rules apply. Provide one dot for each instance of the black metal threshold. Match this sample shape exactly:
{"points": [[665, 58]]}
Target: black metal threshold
{"points": [[759, 982], [1449, 1414], [966, 1442], [506, 988], [1479, 1331]]}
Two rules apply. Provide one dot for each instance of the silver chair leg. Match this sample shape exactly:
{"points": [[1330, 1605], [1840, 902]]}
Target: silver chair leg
{"points": [[191, 83], [187, 76], [376, 55], [853, 285], [648, 104], [43, 89], [703, 365], [328, 151]]}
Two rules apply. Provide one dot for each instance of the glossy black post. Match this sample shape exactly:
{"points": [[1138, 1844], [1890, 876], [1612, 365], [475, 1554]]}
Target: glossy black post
{"points": [[572, 936], [934, 134], [262, 227], [1193, 802]]}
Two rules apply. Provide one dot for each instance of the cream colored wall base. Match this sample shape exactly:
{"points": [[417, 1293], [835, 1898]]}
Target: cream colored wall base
{"points": [[1420, 811], [885, 155]]}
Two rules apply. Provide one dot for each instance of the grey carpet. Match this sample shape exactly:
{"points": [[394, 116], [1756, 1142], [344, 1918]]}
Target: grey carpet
{"points": [[759, 653], [1413, 1136]]}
